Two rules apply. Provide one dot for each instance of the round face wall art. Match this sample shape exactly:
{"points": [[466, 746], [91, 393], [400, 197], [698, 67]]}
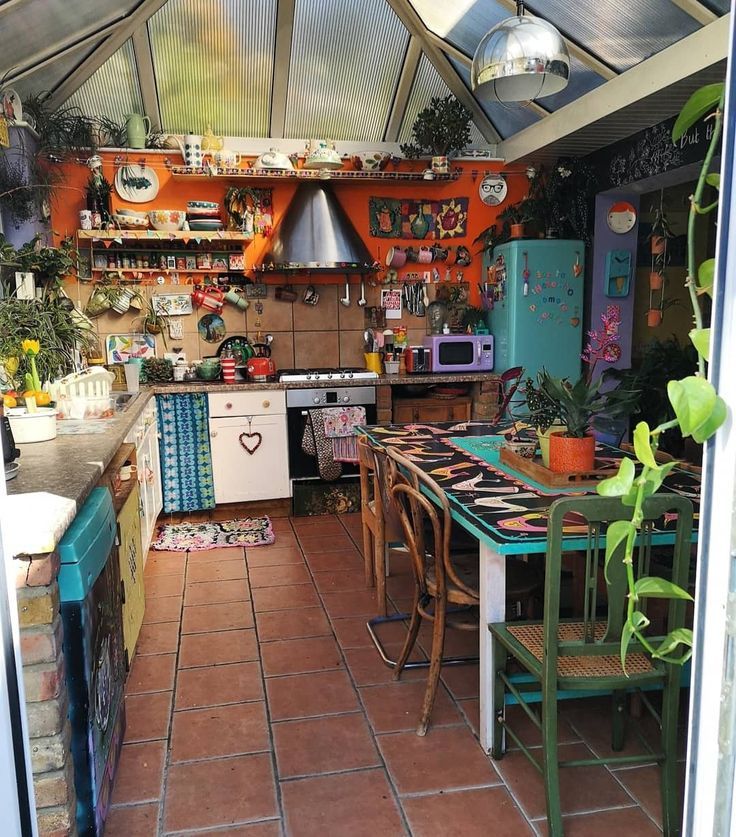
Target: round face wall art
{"points": [[493, 189]]}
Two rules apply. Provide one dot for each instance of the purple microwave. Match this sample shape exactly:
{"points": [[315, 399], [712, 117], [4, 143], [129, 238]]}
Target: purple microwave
{"points": [[460, 352]]}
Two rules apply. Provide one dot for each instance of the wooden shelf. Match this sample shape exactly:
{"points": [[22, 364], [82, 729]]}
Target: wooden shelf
{"points": [[219, 270], [158, 235], [266, 176]]}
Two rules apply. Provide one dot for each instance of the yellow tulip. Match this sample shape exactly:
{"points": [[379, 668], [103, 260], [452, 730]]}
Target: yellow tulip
{"points": [[31, 347]]}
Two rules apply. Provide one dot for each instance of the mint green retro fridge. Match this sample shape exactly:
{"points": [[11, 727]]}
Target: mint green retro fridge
{"points": [[537, 298]]}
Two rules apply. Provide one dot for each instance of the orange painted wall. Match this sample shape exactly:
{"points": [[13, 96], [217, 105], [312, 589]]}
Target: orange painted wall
{"points": [[174, 194]]}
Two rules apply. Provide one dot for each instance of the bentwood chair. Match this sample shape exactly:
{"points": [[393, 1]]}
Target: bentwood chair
{"points": [[585, 655], [446, 580]]}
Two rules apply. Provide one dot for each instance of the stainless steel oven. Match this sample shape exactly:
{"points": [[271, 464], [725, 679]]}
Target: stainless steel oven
{"points": [[298, 404]]}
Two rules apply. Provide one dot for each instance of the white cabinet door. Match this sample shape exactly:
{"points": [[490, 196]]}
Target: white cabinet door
{"points": [[249, 461]]}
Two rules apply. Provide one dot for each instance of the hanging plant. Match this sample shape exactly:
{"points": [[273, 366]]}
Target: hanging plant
{"points": [[442, 129]]}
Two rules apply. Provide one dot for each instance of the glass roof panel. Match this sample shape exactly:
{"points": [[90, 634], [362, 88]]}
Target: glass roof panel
{"points": [[113, 90], [213, 64], [721, 7], [620, 34], [341, 85], [50, 76], [427, 84], [461, 23], [508, 119], [582, 81]]}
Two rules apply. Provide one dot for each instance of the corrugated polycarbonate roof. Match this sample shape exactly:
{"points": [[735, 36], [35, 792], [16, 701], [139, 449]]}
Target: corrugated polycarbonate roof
{"points": [[348, 69], [326, 96]]}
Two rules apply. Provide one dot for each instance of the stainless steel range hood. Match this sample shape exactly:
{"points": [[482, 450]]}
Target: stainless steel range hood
{"points": [[316, 234]]}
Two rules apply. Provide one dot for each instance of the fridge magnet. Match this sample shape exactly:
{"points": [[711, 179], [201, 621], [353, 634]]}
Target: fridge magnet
{"points": [[172, 305], [618, 273], [577, 268], [391, 303], [211, 328], [120, 347]]}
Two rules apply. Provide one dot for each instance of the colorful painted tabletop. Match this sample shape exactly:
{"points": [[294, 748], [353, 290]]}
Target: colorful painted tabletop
{"points": [[500, 506]]}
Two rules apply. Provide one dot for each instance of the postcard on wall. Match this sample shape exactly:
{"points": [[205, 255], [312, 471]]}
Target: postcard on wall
{"points": [[391, 303], [172, 305]]}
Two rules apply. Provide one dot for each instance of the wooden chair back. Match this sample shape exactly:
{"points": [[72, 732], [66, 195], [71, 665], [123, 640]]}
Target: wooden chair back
{"points": [[375, 487]]}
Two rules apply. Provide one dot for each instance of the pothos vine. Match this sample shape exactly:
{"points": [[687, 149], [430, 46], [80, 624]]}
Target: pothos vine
{"points": [[699, 412]]}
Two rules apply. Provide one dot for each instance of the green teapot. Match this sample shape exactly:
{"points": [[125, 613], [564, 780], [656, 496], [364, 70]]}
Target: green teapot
{"points": [[135, 125]]}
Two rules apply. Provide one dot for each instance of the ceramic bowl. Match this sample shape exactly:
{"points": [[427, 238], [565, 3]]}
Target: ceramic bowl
{"points": [[371, 160], [525, 449], [129, 222], [196, 206], [133, 213], [208, 370], [203, 225], [167, 220]]}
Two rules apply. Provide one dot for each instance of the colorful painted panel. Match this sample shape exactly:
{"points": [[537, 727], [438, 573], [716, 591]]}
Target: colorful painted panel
{"points": [[502, 506], [418, 218], [120, 347]]}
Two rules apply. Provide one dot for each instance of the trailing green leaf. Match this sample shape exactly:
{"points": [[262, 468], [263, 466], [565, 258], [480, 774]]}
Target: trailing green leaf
{"points": [[706, 274], [701, 340], [653, 587], [638, 622], [718, 415], [620, 484], [643, 446], [674, 639], [701, 102], [617, 533], [713, 179], [693, 399]]}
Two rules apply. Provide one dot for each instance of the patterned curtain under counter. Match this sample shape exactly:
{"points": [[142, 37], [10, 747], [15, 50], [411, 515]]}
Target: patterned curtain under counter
{"points": [[186, 461]]}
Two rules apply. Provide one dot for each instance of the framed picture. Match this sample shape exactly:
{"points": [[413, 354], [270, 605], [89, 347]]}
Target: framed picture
{"points": [[219, 263], [191, 263], [120, 347], [391, 303], [172, 305]]}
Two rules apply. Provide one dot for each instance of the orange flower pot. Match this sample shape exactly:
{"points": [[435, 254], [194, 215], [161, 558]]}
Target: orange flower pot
{"points": [[656, 280], [658, 244], [569, 455], [517, 231], [654, 317]]}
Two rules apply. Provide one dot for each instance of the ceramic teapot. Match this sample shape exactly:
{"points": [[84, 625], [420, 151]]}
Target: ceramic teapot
{"points": [[211, 143], [191, 150], [137, 128], [321, 154], [273, 159], [226, 159]]}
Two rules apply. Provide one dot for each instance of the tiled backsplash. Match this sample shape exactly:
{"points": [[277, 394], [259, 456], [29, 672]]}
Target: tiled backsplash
{"points": [[326, 334]]}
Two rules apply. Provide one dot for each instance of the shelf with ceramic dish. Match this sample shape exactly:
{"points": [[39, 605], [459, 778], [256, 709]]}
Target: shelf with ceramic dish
{"points": [[268, 175], [166, 270], [158, 235]]}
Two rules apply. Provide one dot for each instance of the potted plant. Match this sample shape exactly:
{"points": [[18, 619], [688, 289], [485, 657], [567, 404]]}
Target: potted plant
{"points": [[516, 215], [660, 232], [439, 131], [152, 322], [544, 413], [573, 450]]}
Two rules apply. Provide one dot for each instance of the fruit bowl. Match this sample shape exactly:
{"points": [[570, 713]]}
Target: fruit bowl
{"points": [[167, 220]]}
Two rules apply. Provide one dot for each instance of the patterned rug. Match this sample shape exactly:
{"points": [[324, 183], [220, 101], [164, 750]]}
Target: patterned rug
{"points": [[246, 531]]}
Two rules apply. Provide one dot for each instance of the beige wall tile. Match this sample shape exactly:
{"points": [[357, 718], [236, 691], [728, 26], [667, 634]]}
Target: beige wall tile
{"points": [[277, 316], [314, 348], [282, 349], [351, 317], [319, 317], [234, 319], [190, 345], [351, 348]]}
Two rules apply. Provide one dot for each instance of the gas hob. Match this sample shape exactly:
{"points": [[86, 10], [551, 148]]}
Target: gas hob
{"points": [[336, 375]]}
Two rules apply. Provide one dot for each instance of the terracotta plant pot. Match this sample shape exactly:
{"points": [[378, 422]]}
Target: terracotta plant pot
{"points": [[656, 280], [658, 244], [544, 440], [569, 455], [517, 231], [654, 317]]}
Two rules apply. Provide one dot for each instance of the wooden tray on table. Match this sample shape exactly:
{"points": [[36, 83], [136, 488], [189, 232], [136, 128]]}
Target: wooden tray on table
{"points": [[534, 469]]}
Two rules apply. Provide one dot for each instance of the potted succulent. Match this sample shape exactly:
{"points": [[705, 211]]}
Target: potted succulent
{"points": [[544, 413], [152, 322], [439, 131], [516, 215]]}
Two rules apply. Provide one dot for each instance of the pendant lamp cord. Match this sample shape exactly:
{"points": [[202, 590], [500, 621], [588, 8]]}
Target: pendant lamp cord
{"points": [[520, 8]]}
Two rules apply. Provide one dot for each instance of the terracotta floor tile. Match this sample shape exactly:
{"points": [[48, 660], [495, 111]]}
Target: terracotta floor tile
{"points": [[359, 804], [457, 643], [581, 788], [396, 706], [351, 603], [147, 716], [220, 571], [462, 681], [286, 556], [212, 592], [527, 731], [164, 585], [284, 540], [163, 609], [269, 828], [166, 566], [141, 820], [283, 598], [466, 812], [216, 685], [140, 773], [631, 821], [368, 669], [224, 616], [643, 784], [218, 647], [336, 581], [318, 522], [299, 656], [219, 792], [158, 638], [219, 731], [446, 758], [278, 576], [323, 745], [351, 632], [318, 543], [155, 554], [346, 559], [305, 695], [292, 624], [471, 710], [154, 673], [401, 586], [210, 556]]}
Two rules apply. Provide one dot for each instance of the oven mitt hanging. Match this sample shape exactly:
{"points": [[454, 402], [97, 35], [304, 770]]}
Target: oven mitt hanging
{"points": [[315, 443]]}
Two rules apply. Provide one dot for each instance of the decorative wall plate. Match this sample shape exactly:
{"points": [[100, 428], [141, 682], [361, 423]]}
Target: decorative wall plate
{"points": [[136, 184], [211, 328], [493, 189]]}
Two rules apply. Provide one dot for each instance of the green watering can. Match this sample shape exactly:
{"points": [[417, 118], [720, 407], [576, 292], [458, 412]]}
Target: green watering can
{"points": [[137, 131]]}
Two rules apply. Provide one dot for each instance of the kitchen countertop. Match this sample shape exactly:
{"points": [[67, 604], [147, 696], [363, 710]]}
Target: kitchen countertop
{"points": [[55, 477]]}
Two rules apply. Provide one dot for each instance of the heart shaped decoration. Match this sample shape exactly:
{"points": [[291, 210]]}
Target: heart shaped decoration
{"points": [[574, 322], [253, 447]]}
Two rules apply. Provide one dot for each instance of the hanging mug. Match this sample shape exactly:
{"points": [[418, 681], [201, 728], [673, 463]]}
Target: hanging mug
{"points": [[121, 302], [412, 254], [439, 253], [396, 257], [425, 255]]}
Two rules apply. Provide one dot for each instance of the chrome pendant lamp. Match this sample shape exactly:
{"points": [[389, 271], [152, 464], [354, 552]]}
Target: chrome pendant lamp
{"points": [[521, 59]]}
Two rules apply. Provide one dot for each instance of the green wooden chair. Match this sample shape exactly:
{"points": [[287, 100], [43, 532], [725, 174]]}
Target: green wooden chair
{"points": [[583, 656]]}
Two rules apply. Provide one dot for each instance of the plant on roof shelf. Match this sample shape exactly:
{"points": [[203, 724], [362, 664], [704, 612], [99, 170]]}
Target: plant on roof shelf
{"points": [[442, 129], [516, 216], [698, 413]]}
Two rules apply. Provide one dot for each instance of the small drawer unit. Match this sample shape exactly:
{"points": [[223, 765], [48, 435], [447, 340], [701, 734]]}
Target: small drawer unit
{"points": [[249, 446]]}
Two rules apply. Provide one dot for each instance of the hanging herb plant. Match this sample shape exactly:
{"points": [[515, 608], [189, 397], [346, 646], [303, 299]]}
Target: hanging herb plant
{"points": [[442, 129]]}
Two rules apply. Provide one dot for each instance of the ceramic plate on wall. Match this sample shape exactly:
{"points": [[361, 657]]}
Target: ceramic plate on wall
{"points": [[211, 328], [136, 184]]}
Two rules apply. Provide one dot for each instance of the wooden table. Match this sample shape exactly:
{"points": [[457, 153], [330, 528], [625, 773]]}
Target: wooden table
{"points": [[504, 510]]}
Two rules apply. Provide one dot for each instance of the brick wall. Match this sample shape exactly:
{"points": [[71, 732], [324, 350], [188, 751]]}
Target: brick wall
{"points": [[46, 694]]}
